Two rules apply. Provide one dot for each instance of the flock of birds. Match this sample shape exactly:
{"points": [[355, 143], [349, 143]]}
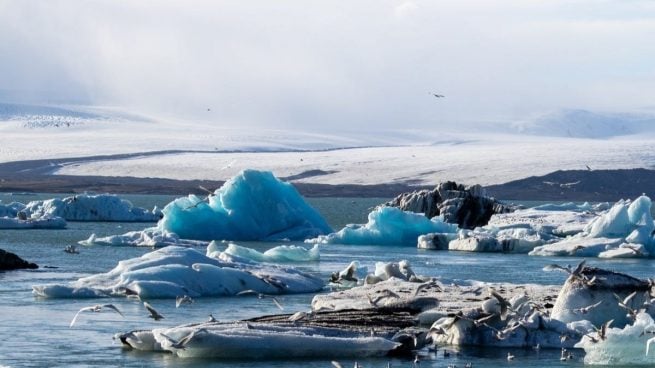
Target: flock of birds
{"points": [[154, 314]]}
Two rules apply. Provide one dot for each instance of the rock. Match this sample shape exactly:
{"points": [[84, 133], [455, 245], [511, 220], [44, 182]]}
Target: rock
{"points": [[10, 261], [468, 207]]}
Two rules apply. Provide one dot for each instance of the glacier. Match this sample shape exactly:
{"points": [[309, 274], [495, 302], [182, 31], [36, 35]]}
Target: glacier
{"points": [[253, 205], [173, 271], [388, 226]]}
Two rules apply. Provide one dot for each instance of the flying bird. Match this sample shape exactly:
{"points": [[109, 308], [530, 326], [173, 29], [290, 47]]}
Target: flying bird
{"points": [[153, 313], [95, 308], [438, 96], [261, 296], [184, 299]]}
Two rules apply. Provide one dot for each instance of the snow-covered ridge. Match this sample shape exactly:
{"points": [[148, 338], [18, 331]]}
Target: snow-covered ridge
{"points": [[586, 124]]}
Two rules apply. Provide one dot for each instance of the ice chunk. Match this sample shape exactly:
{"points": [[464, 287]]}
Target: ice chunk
{"points": [[253, 205], [561, 223], [174, 271], [626, 222], [82, 207], [150, 237], [622, 347], [281, 253], [227, 341], [11, 209], [388, 226]]}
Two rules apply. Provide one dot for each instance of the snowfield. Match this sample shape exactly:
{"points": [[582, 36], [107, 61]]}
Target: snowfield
{"points": [[571, 139]]}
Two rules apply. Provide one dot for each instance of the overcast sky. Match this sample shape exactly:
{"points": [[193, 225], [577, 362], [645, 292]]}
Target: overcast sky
{"points": [[340, 64]]}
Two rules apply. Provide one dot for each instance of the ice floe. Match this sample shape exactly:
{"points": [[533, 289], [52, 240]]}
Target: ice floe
{"points": [[150, 237], [388, 226], [82, 207], [264, 341], [253, 205], [281, 253], [173, 271]]}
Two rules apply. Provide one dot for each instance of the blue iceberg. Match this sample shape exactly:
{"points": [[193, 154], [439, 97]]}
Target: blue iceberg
{"points": [[388, 226], [253, 205]]}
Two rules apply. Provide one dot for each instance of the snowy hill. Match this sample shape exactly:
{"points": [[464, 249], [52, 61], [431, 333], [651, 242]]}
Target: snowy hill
{"points": [[586, 124]]}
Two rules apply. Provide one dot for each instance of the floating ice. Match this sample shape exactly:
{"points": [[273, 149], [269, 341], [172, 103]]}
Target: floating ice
{"points": [[11, 209], [102, 207], [559, 223], [263, 341], [281, 253], [150, 237], [173, 271], [38, 223], [388, 226], [625, 230], [622, 347], [253, 205], [570, 206]]}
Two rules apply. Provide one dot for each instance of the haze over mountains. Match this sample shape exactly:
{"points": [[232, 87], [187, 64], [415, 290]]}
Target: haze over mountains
{"points": [[501, 152]]}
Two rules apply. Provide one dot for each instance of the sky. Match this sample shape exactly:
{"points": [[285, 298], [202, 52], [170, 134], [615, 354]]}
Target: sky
{"points": [[321, 65]]}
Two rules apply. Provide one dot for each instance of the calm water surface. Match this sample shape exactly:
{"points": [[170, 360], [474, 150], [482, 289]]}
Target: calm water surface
{"points": [[35, 332]]}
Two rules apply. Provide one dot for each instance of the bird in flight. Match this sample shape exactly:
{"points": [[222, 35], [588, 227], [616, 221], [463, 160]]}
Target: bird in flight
{"points": [[438, 96]]}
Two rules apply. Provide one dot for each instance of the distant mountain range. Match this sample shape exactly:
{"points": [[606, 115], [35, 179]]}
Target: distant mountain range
{"points": [[586, 124]]}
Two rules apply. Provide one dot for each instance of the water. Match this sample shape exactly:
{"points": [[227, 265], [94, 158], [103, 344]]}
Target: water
{"points": [[35, 332]]}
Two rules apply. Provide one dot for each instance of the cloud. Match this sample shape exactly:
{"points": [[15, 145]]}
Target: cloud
{"points": [[344, 65]]}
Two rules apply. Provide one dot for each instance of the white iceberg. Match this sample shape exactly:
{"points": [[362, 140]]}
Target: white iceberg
{"points": [[82, 207], [150, 237], [173, 271], [263, 341], [626, 346], [625, 230], [281, 253], [253, 205], [388, 226]]}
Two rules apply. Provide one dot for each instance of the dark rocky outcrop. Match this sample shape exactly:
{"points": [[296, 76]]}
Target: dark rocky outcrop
{"points": [[10, 261], [468, 207]]}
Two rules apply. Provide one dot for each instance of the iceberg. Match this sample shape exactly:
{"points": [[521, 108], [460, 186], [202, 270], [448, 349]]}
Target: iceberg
{"points": [[253, 205], [263, 341], [388, 226], [11, 209], [281, 253], [622, 346], [625, 230], [82, 207], [150, 237], [173, 271]]}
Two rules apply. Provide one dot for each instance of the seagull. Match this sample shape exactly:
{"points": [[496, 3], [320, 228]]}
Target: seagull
{"points": [[588, 168], [585, 310], [386, 294], [623, 303], [206, 199], [261, 296], [211, 318], [438, 96], [153, 313], [428, 285], [71, 249], [347, 274], [95, 308], [650, 341], [181, 344], [576, 273], [510, 357], [602, 331], [504, 305], [184, 299]]}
